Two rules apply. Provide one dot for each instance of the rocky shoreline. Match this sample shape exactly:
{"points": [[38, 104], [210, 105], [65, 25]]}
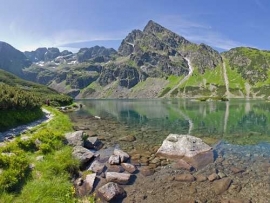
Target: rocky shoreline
{"points": [[231, 177]]}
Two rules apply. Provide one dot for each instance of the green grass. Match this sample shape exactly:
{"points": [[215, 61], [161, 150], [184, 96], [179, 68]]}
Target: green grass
{"points": [[50, 180], [235, 79], [173, 81]]}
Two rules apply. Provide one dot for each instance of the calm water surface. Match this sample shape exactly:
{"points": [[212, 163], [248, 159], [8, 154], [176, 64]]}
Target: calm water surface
{"points": [[236, 121]]}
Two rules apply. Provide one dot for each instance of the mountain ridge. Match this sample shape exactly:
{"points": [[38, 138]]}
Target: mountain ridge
{"points": [[154, 61]]}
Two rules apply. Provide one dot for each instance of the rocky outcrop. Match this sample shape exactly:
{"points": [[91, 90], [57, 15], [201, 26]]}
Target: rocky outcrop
{"points": [[127, 45], [128, 77], [96, 54], [43, 54]]}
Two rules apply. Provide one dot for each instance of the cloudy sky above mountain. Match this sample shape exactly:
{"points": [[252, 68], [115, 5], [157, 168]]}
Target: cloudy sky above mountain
{"points": [[71, 24]]}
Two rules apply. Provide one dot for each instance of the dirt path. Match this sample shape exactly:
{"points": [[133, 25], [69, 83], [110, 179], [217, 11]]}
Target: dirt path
{"points": [[184, 79], [10, 134]]}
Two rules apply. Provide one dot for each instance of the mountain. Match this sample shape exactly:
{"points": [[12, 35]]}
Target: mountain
{"points": [[12, 60], [150, 63]]}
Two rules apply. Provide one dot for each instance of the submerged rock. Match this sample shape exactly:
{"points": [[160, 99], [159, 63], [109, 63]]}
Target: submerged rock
{"points": [[185, 178], [179, 146], [129, 167], [221, 185]]}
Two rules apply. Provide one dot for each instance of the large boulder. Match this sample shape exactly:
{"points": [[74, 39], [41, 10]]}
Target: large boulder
{"points": [[179, 146], [112, 191], [75, 138], [82, 154], [121, 178]]}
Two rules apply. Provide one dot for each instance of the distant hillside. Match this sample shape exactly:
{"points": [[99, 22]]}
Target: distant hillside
{"points": [[40, 92], [12, 60], [151, 63]]}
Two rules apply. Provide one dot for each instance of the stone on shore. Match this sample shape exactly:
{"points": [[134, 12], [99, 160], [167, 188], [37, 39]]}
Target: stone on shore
{"points": [[112, 191], [74, 138], [179, 146], [82, 154], [220, 186], [123, 155], [121, 178]]}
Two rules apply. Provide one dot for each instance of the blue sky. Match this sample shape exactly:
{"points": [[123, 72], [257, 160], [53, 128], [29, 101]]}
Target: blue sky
{"points": [[71, 24]]}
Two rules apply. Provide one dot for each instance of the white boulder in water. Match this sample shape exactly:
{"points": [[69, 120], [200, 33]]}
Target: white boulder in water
{"points": [[180, 146]]}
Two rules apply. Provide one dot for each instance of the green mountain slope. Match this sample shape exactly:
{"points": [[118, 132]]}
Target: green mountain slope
{"points": [[39, 91], [249, 70]]}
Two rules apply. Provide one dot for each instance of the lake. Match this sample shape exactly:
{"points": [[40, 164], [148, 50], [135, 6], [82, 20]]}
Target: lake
{"points": [[236, 121], [238, 130]]}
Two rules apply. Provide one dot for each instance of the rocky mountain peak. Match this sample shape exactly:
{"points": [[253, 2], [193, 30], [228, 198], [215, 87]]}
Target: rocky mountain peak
{"points": [[153, 27]]}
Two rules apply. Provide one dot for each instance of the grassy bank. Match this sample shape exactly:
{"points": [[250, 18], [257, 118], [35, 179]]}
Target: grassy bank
{"points": [[49, 180]]}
